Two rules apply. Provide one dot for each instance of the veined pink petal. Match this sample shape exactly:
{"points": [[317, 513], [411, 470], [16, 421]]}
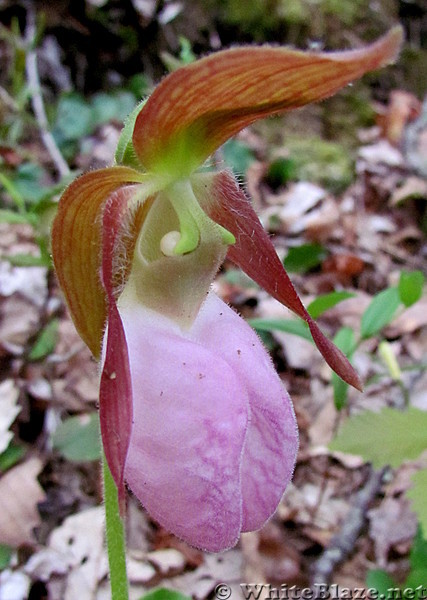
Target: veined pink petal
{"points": [[272, 440], [190, 420], [254, 253]]}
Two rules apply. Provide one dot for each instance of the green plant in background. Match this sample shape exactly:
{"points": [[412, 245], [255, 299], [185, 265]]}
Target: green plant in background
{"points": [[14, 97], [414, 586], [185, 56], [390, 436], [379, 313]]}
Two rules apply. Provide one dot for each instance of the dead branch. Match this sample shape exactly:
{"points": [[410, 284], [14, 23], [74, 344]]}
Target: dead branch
{"points": [[342, 544]]}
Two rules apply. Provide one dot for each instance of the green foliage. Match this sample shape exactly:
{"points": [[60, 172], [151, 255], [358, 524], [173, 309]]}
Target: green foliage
{"points": [[45, 342], [304, 258], [345, 341], [414, 586], [237, 156], [418, 494], [380, 312], [186, 56], [11, 456], [280, 171], [164, 594], [77, 117], [292, 326], [379, 580], [386, 352], [374, 436], [125, 152], [30, 201], [5, 556], [327, 163], [388, 438], [410, 287], [324, 302], [78, 438], [14, 118], [296, 326]]}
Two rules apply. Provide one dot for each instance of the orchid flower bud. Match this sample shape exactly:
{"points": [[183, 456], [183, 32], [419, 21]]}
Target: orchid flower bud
{"points": [[193, 416]]}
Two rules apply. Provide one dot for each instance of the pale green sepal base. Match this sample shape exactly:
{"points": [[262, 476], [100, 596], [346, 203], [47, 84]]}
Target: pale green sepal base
{"points": [[175, 283], [115, 536], [125, 152]]}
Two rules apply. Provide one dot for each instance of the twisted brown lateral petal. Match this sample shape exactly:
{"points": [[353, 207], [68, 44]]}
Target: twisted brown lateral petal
{"points": [[254, 253], [198, 107], [115, 394]]}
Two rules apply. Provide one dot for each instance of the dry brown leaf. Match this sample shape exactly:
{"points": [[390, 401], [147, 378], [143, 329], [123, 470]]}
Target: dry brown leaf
{"points": [[80, 541], [410, 320], [392, 526], [268, 556], [314, 506], [402, 108], [19, 320], [20, 493], [167, 561], [381, 152], [225, 567], [413, 187], [29, 282], [9, 409], [322, 428], [14, 585]]}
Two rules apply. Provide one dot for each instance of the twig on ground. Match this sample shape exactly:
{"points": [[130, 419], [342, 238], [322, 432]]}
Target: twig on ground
{"points": [[342, 544], [37, 98]]}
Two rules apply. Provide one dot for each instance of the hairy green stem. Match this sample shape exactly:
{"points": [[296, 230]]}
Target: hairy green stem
{"points": [[115, 535]]}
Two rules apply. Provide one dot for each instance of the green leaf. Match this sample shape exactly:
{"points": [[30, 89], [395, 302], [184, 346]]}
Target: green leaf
{"points": [[286, 325], [125, 152], [380, 312], [416, 582], [304, 258], [326, 301], [74, 118], [164, 594], [12, 190], [345, 341], [5, 556], [380, 581], [27, 260], [78, 438], [410, 287], [418, 556], [105, 108], [385, 438], [280, 171], [186, 53], [45, 342], [237, 156], [11, 456], [418, 494], [29, 182], [10, 216]]}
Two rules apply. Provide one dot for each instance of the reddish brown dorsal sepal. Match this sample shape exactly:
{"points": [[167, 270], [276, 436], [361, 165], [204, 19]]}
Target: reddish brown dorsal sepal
{"points": [[197, 108], [254, 253]]}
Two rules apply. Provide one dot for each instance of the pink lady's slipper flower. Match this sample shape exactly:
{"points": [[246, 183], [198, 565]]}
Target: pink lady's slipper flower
{"points": [[193, 416]]}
